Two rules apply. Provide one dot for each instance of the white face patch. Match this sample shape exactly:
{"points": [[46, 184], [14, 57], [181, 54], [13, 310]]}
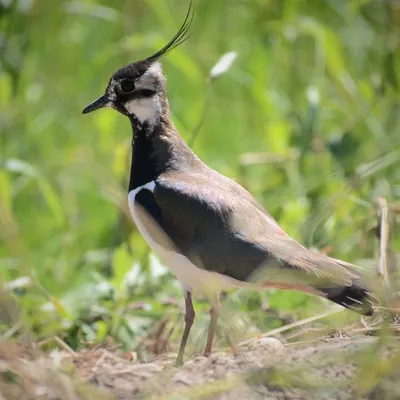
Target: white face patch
{"points": [[154, 70], [146, 110], [111, 92]]}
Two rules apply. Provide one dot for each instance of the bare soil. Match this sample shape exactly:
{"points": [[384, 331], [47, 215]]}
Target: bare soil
{"points": [[341, 368]]}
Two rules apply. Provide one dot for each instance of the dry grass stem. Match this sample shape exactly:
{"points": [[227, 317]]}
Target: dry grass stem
{"points": [[382, 211], [64, 345], [296, 324]]}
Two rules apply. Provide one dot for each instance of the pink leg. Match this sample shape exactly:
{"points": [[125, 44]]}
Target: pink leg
{"points": [[214, 311], [189, 318]]}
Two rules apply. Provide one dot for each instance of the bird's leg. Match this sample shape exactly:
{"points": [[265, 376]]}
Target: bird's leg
{"points": [[189, 318], [214, 312]]}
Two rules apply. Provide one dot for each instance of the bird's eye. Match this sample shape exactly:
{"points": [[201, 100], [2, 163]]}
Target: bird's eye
{"points": [[128, 85]]}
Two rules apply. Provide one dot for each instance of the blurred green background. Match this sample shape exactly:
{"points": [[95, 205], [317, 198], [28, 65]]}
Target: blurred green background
{"points": [[307, 119]]}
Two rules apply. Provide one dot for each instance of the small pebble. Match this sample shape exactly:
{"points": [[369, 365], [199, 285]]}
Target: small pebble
{"points": [[267, 343]]}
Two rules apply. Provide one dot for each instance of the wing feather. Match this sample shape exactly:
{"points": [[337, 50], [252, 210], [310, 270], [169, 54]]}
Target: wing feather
{"points": [[222, 228]]}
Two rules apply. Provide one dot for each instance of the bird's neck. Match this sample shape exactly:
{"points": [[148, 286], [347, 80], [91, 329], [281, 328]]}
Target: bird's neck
{"points": [[157, 149]]}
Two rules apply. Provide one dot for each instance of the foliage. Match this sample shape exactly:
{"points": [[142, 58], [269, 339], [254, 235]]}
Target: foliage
{"points": [[306, 118]]}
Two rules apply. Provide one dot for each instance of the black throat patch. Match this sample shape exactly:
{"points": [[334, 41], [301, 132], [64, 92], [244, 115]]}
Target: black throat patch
{"points": [[143, 165]]}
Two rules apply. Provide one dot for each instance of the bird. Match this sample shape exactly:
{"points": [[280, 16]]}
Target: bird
{"points": [[209, 230]]}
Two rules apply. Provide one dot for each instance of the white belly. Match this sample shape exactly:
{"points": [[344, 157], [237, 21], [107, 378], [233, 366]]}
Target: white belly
{"points": [[192, 277]]}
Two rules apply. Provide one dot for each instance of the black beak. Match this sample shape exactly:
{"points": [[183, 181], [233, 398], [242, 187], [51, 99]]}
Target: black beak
{"points": [[99, 103]]}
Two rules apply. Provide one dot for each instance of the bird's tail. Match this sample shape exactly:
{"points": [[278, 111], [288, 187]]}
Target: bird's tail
{"points": [[355, 296], [305, 270]]}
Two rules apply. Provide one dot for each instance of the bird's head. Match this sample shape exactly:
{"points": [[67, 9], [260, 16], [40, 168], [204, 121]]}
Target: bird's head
{"points": [[138, 89]]}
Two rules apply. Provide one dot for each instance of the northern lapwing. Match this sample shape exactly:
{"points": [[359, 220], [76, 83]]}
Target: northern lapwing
{"points": [[205, 227]]}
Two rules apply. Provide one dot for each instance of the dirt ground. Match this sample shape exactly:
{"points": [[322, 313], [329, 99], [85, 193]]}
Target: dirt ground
{"points": [[343, 368]]}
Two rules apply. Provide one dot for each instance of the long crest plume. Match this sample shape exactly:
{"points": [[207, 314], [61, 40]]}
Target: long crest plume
{"points": [[181, 36]]}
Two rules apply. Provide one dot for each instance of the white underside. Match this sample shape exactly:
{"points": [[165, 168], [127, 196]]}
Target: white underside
{"points": [[192, 277]]}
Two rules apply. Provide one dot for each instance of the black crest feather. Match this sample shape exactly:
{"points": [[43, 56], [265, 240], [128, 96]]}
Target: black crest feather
{"points": [[181, 36]]}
